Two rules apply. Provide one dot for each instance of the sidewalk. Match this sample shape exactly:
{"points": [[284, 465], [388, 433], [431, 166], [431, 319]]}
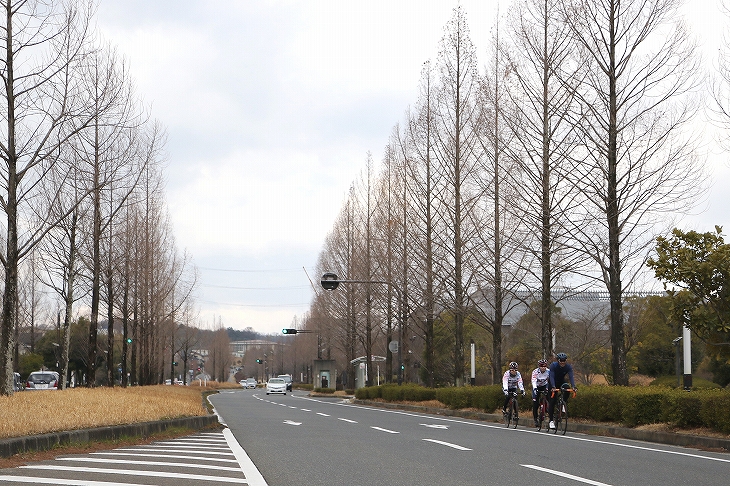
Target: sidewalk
{"points": [[658, 437]]}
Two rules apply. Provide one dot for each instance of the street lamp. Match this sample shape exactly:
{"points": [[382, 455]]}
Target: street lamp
{"points": [[330, 281]]}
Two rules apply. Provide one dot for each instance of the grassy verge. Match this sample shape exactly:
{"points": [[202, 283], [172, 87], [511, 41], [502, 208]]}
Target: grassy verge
{"points": [[42, 412]]}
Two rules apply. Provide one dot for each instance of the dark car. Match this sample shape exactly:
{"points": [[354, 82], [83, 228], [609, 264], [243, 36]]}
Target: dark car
{"points": [[42, 380], [288, 380]]}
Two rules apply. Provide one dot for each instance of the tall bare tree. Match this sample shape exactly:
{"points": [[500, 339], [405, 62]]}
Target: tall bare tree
{"points": [[637, 164], [43, 105], [542, 45], [455, 146]]}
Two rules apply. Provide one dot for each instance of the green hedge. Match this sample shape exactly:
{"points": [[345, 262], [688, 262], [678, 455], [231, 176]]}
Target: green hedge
{"points": [[628, 406]]}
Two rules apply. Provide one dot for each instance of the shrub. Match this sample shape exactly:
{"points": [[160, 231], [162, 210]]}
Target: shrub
{"points": [[324, 390]]}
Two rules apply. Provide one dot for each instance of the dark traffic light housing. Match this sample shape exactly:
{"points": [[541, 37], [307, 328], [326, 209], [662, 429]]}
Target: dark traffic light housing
{"points": [[330, 281], [289, 331], [258, 361]]}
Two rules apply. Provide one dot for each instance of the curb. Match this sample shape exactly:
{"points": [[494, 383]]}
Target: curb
{"points": [[667, 438], [44, 442]]}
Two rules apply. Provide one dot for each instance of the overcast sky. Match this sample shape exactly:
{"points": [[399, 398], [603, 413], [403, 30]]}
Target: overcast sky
{"points": [[270, 109]]}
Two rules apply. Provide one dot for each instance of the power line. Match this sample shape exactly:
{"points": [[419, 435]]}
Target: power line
{"points": [[297, 287]]}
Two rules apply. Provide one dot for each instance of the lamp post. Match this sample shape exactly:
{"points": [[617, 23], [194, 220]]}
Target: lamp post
{"points": [[330, 281]]}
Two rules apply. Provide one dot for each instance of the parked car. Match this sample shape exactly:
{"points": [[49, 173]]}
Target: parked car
{"points": [[276, 385], [249, 383], [287, 379], [42, 380], [17, 382]]}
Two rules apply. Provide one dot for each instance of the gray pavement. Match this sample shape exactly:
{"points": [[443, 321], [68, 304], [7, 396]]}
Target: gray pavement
{"points": [[658, 437]]}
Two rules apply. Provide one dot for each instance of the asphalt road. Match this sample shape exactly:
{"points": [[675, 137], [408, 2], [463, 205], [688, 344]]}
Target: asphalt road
{"points": [[300, 440], [295, 439]]}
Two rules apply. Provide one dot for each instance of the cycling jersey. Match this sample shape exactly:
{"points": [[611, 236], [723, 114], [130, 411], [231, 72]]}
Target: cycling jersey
{"points": [[540, 378], [512, 382], [559, 373]]}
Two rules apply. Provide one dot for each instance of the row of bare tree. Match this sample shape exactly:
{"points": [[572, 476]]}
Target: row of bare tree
{"points": [[82, 195], [552, 168]]}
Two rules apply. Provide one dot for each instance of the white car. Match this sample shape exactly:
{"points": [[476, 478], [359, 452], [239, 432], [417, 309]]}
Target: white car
{"points": [[249, 383], [276, 385]]}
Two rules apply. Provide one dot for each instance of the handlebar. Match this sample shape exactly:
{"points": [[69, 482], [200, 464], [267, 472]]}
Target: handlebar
{"points": [[572, 391]]}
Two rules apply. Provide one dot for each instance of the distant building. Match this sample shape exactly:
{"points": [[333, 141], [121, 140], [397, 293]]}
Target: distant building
{"points": [[240, 348]]}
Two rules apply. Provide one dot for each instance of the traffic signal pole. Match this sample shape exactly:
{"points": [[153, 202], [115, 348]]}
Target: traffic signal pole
{"points": [[330, 281]]}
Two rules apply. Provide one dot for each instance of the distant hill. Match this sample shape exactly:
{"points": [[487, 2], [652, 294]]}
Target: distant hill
{"points": [[247, 334]]}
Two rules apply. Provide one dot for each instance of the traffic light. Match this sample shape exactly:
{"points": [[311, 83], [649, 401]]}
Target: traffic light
{"points": [[289, 331], [174, 363], [129, 340], [259, 361]]}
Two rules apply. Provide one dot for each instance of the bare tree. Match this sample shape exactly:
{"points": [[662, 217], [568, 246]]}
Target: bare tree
{"points": [[418, 161], [544, 137], [43, 106], [636, 165], [455, 145]]}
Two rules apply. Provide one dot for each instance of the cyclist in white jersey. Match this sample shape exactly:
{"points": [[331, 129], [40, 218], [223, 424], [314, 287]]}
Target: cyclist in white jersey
{"points": [[540, 382], [511, 381]]}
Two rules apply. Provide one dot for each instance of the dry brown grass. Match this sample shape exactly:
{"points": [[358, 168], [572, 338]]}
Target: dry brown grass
{"points": [[40, 412]]}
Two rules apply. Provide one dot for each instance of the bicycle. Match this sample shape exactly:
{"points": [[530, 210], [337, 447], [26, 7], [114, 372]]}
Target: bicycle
{"points": [[560, 413], [542, 408], [512, 415]]}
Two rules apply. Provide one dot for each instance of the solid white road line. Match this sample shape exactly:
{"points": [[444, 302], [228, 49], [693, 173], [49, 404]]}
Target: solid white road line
{"points": [[70, 482], [169, 456], [131, 472], [566, 475], [253, 476], [176, 465]]}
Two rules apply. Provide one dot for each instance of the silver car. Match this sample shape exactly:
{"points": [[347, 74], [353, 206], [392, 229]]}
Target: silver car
{"points": [[276, 385], [42, 380], [249, 383]]}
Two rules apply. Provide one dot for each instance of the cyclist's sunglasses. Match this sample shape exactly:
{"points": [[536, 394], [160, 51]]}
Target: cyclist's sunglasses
{"points": [[562, 360]]}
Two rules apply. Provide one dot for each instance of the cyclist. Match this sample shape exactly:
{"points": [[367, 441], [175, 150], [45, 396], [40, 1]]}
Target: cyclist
{"points": [[511, 381], [540, 379], [559, 371]]}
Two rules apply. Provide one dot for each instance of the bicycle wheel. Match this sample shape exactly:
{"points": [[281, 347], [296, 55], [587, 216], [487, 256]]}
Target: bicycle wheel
{"points": [[541, 412], [508, 415], [563, 424], [515, 412], [557, 416]]}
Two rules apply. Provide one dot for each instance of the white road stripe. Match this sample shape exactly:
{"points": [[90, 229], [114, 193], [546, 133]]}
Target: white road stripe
{"points": [[169, 456], [186, 447], [71, 482], [385, 430], [347, 420], [133, 472], [253, 476], [212, 453], [322, 414], [176, 465], [448, 444], [566, 475]]}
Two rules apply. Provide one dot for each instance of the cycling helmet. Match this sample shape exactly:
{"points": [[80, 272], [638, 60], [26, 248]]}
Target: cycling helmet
{"points": [[561, 356], [513, 365], [542, 363]]}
